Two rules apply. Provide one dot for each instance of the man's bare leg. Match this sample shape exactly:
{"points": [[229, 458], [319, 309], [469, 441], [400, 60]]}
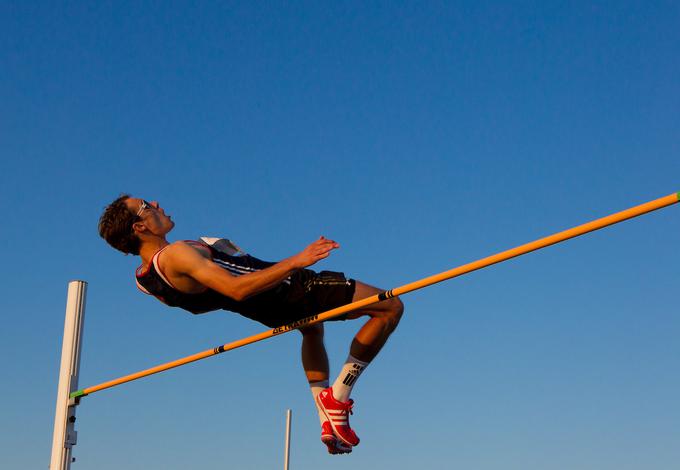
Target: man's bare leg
{"points": [[315, 361], [314, 356], [315, 364], [384, 318], [333, 414]]}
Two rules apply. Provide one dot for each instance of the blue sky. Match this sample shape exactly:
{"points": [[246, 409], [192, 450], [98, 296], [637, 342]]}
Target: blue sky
{"points": [[420, 136]]}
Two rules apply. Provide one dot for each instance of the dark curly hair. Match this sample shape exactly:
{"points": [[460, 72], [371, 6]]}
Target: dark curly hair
{"points": [[115, 226]]}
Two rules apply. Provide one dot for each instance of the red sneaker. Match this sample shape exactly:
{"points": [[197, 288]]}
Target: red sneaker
{"points": [[338, 413], [334, 445]]}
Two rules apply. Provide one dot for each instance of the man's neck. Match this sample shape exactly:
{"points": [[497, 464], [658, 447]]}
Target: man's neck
{"points": [[151, 247]]}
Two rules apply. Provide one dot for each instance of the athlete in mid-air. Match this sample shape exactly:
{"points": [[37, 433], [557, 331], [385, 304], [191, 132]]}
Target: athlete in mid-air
{"points": [[211, 274]]}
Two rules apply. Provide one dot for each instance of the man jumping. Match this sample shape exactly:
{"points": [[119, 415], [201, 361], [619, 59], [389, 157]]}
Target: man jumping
{"points": [[213, 274]]}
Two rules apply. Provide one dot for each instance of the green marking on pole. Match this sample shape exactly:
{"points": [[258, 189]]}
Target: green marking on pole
{"points": [[76, 394], [678, 195]]}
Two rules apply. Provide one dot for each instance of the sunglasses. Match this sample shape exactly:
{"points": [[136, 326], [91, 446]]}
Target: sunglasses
{"points": [[145, 205]]}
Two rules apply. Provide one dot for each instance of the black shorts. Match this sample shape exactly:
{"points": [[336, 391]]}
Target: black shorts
{"points": [[307, 294]]}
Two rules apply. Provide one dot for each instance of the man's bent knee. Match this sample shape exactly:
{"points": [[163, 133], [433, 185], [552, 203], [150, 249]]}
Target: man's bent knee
{"points": [[394, 312]]}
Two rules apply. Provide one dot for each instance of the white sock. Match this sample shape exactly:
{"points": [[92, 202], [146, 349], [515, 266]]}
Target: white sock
{"points": [[316, 389], [342, 387]]}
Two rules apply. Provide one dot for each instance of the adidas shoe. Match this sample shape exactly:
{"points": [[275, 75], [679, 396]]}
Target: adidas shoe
{"points": [[338, 413], [334, 445]]}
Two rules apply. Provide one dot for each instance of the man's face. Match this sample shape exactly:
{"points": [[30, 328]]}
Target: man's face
{"points": [[152, 216]]}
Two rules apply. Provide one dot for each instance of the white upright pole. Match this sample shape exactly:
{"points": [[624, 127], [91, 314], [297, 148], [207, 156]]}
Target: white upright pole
{"points": [[286, 460], [65, 435]]}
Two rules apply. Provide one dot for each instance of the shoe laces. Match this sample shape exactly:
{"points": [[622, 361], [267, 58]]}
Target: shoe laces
{"points": [[348, 406]]}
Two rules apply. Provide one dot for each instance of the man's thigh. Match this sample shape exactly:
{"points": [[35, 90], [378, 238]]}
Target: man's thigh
{"points": [[363, 291]]}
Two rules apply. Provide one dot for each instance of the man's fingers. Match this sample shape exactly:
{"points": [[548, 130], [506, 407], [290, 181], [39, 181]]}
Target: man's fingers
{"points": [[320, 249], [325, 246], [323, 240]]}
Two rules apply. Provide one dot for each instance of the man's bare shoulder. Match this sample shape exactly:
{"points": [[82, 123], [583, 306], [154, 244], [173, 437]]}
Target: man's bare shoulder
{"points": [[183, 253]]}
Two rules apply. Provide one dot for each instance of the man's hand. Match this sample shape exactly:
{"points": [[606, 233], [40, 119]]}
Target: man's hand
{"points": [[318, 250]]}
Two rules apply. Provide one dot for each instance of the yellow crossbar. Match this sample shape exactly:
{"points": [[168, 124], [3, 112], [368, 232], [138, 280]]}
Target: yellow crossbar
{"points": [[428, 281]]}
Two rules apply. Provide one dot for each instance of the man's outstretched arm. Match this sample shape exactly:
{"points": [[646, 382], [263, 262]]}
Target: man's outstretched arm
{"points": [[184, 260]]}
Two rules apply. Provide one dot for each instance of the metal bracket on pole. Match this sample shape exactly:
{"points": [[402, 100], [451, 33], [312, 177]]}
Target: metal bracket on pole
{"points": [[65, 436], [71, 437]]}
